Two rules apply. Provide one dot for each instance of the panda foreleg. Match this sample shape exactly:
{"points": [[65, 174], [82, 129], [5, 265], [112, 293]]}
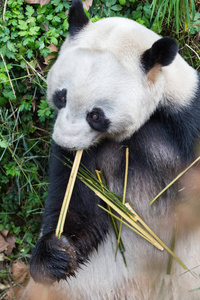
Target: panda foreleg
{"points": [[85, 227]]}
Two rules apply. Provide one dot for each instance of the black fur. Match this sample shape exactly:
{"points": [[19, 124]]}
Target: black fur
{"points": [[51, 251], [100, 123], [77, 18], [60, 98], [86, 224], [161, 53]]}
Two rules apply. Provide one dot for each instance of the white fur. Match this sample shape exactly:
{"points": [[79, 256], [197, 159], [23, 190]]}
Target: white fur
{"points": [[101, 67]]}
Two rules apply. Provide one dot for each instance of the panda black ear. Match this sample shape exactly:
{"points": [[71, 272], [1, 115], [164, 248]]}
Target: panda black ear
{"points": [[162, 53], [77, 18]]}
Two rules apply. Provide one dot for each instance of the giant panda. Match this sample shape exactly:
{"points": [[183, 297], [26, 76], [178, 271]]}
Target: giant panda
{"points": [[117, 84]]}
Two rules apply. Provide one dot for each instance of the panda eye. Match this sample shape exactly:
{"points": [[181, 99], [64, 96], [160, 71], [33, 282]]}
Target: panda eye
{"points": [[94, 116], [63, 99], [97, 120], [60, 98]]}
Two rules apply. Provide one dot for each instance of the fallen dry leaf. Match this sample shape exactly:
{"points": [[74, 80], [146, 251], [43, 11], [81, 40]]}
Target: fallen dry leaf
{"points": [[41, 2], [46, 27], [7, 242], [20, 272], [10, 239], [4, 232], [3, 244], [52, 48], [20, 276]]}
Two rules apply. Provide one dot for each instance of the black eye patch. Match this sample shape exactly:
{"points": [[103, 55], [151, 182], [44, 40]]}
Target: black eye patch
{"points": [[60, 98], [97, 120]]}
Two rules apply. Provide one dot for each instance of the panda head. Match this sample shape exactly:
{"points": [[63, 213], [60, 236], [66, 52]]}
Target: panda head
{"points": [[109, 78]]}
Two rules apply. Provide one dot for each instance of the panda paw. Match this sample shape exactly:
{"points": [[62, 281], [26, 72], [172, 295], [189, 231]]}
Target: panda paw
{"points": [[53, 259]]}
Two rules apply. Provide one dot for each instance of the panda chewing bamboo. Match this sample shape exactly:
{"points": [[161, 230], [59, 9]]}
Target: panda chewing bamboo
{"points": [[117, 84]]}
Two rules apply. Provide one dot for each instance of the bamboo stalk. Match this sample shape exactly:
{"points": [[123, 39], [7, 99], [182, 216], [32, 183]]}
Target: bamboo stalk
{"points": [[68, 193], [173, 181], [124, 196]]}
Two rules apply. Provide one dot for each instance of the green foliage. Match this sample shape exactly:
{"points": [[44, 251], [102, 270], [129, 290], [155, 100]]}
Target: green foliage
{"points": [[44, 111], [30, 28], [22, 181], [179, 12], [27, 34], [164, 17], [25, 117]]}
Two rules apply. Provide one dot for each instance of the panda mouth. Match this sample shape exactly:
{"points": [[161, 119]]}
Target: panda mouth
{"points": [[78, 142], [73, 149], [69, 149]]}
